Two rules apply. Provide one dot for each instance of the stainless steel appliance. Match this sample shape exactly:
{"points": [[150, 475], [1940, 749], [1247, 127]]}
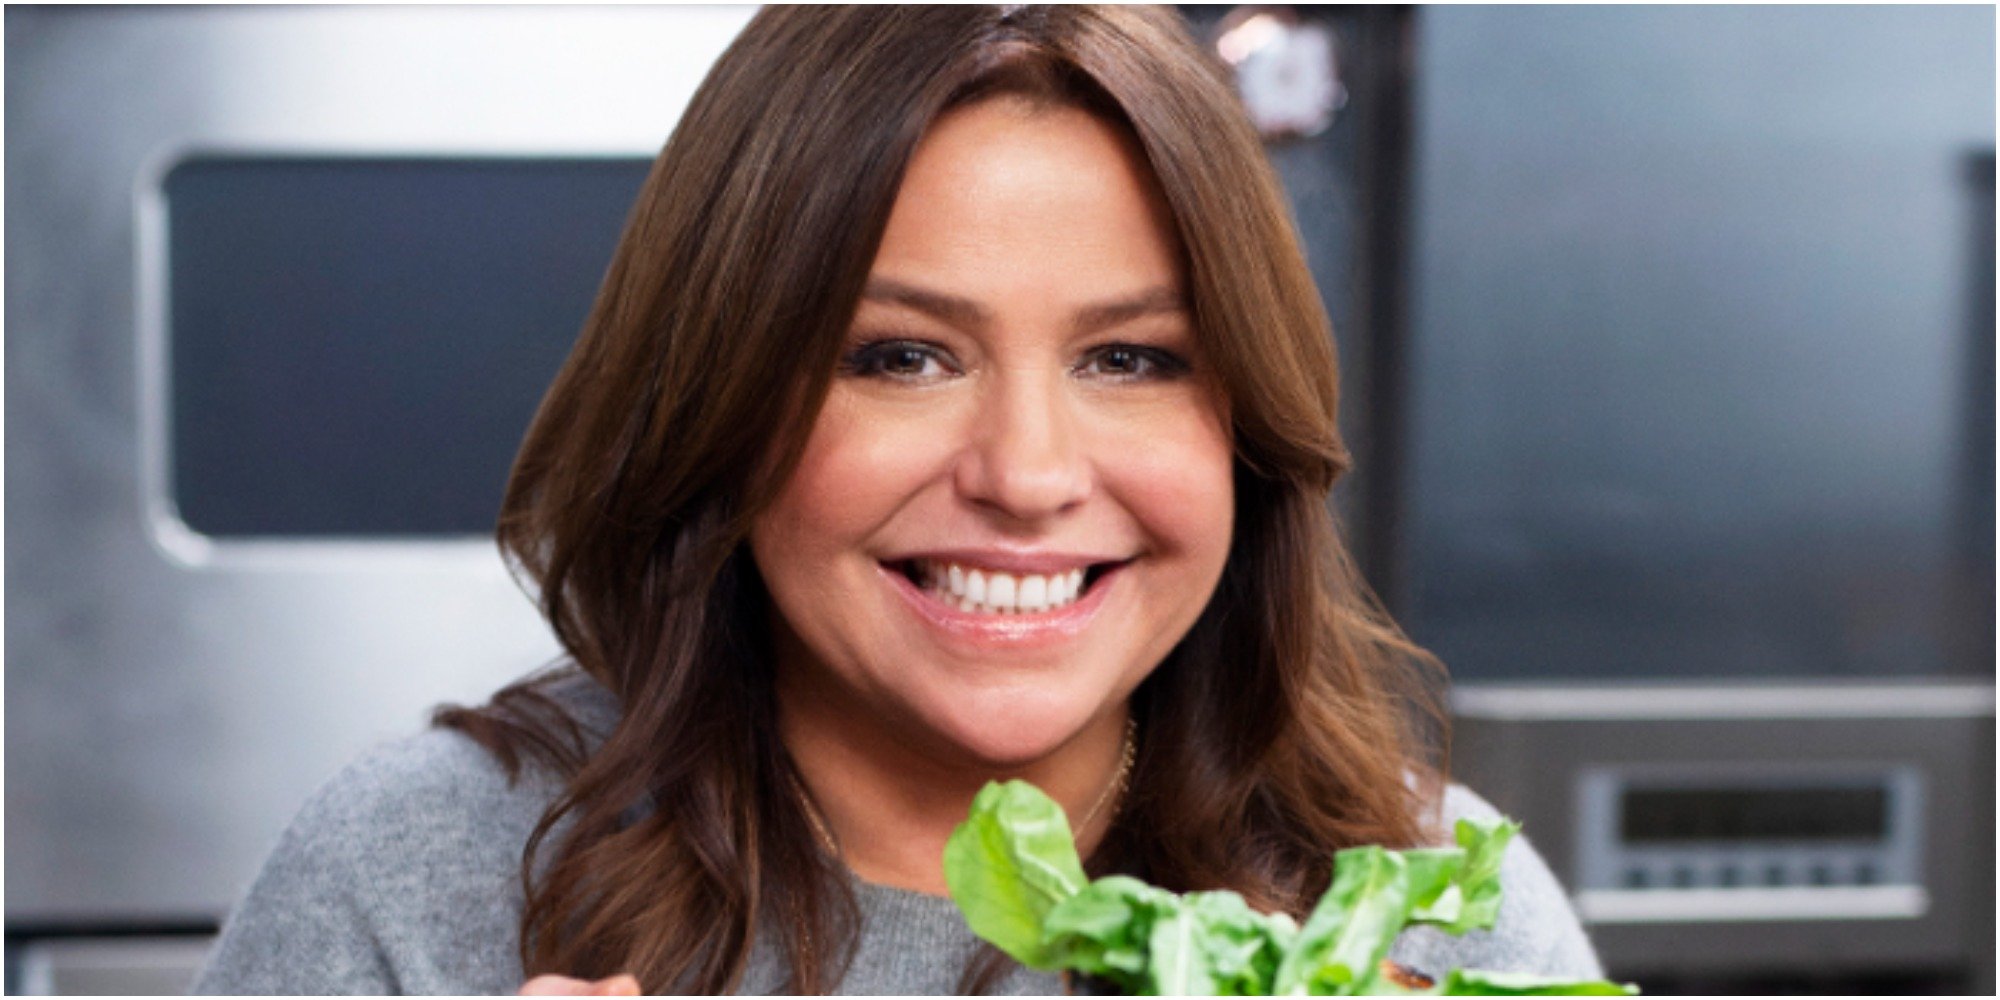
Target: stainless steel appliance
{"points": [[181, 670], [1700, 502], [1735, 835]]}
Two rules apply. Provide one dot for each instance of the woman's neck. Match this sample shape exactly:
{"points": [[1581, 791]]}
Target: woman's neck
{"points": [[890, 799]]}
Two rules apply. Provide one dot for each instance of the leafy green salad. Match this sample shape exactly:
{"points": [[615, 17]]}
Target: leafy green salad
{"points": [[1013, 870]]}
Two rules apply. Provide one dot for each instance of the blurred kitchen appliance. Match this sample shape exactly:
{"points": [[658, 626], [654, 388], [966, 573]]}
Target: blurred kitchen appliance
{"points": [[284, 286], [1700, 483], [1750, 837]]}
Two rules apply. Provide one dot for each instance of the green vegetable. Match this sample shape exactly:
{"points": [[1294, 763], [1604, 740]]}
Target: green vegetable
{"points": [[1350, 930], [1009, 864], [1012, 867], [1472, 982], [1106, 930]]}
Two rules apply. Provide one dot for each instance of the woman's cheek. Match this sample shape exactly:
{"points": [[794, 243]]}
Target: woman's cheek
{"points": [[891, 452], [864, 458], [1174, 467]]}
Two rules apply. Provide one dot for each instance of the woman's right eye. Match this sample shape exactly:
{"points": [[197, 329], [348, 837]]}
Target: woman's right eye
{"points": [[903, 360]]}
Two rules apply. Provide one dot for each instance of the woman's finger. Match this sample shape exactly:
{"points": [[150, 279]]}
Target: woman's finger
{"points": [[564, 986], [618, 986], [555, 986]]}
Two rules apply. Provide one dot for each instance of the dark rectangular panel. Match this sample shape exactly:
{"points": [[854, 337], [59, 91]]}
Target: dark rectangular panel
{"points": [[357, 344], [1735, 815]]}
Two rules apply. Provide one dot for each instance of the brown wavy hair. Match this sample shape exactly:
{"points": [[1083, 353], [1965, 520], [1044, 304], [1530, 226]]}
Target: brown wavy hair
{"points": [[1292, 720]]}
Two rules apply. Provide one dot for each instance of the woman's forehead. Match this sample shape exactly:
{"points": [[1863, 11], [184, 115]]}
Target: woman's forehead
{"points": [[1004, 204]]}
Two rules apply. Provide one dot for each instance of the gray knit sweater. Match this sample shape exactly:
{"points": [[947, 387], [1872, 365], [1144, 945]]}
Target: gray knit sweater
{"points": [[402, 875]]}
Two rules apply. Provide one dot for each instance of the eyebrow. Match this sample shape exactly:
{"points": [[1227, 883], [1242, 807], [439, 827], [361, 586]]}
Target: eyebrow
{"points": [[1152, 301], [969, 315]]}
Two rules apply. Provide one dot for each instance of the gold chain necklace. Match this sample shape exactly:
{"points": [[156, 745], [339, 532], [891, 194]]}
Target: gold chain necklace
{"points": [[1128, 753]]}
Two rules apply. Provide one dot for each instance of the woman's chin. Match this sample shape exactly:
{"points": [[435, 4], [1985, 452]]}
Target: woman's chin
{"points": [[1011, 751], [1013, 737]]}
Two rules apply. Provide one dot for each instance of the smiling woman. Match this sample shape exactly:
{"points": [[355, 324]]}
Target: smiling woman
{"points": [[1017, 496], [958, 406]]}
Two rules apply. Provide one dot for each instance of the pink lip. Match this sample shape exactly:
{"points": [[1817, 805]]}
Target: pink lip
{"points": [[990, 632]]}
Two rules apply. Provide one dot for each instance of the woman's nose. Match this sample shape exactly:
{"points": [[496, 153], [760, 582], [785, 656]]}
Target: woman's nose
{"points": [[1024, 456]]}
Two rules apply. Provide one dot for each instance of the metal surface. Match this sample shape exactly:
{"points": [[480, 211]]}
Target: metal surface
{"points": [[168, 709], [1542, 756], [1661, 702], [145, 966], [1621, 877], [1689, 343], [1741, 906], [1700, 457]]}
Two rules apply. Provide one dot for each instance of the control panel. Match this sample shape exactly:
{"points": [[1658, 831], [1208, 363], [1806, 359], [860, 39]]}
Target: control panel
{"points": [[1686, 843]]}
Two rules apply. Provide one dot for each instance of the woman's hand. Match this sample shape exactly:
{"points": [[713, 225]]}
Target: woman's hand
{"points": [[563, 986]]}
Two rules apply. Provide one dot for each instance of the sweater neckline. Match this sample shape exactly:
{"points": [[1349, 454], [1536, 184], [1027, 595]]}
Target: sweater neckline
{"points": [[913, 899]]}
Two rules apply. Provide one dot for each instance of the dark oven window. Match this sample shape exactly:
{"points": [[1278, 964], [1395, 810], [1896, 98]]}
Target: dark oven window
{"points": [[355, 345]]}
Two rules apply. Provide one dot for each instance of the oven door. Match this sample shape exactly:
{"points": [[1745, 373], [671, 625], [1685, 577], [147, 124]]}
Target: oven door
{"points": [[231, 565]]}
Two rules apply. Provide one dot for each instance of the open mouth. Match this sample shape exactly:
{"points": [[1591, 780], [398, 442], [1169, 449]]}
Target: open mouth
{"points": [[993, 592]]}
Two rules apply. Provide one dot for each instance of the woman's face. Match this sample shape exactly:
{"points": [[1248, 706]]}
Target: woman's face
{"points": [[1018, 496]]}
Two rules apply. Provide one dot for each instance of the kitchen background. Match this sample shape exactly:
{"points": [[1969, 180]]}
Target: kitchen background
{"points": [[1667, 336]]}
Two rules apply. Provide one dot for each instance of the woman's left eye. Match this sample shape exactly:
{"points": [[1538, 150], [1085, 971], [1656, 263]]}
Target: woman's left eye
{"points": [[1132, 362]]}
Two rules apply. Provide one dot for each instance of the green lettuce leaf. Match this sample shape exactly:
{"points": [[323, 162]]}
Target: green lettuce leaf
{"points": [[1009, 864], [1436, 896], [1012, 867], [1478, 882], [1350, 930], [1242, 948], [1474, 983], [1457, 889], [1149, 941], [1106, 930]]}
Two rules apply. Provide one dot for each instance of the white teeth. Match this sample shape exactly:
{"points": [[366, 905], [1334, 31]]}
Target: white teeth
{"points": [[1000, 591], [1034, 593], [992, 592]]}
